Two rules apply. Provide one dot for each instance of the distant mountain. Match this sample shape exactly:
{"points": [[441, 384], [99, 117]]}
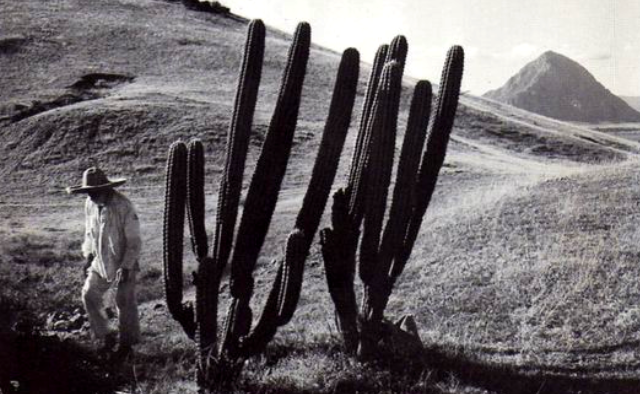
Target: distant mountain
{"points": [[558, 87], [633, 101]]}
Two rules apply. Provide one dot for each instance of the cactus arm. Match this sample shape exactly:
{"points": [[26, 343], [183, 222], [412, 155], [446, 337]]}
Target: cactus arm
{"points": [[404, 190], [338, 246], [361, 139], [379, 167], [378, 176], [265, 184], [333, 138], [403, 196], [339, 261], [267, 326], [323, 174], [285, 292], [206, 288], [398, 51], [206, 315], [195, 198], [283, 297], [437, 140], [297, 251], [173, 233], [210, 269], [270, 168], [238, 142], [236, 326]]}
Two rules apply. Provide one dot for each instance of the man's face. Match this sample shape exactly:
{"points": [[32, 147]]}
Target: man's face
{"points": [[100, 197]]}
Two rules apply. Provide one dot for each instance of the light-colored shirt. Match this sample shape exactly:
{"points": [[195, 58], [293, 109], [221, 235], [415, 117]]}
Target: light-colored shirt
{"points": [[112, 235]]}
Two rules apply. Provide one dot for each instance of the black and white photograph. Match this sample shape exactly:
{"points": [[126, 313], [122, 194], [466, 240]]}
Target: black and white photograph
{"points": [[319, 197]]}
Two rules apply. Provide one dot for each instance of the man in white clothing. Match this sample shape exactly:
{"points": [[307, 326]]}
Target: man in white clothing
{"points": [[111, 248]]}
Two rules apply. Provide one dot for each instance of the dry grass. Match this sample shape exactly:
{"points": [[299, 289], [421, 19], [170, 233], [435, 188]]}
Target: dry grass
{"points": [[543, 278], [508, 279], [38, 268]]}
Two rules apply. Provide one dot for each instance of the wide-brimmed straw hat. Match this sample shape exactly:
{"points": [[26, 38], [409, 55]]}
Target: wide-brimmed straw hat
{"points": [[93, 179]]}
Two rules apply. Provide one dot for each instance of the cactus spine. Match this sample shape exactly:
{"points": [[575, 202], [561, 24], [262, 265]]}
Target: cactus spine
{"points": [[360, 207], [220, 363]]}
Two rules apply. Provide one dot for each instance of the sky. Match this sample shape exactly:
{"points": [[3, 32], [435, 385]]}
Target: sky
{"points": [[499, 36]]}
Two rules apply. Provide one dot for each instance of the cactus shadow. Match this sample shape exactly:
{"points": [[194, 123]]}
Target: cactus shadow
{"points": [[436, 368], [505, 379]]}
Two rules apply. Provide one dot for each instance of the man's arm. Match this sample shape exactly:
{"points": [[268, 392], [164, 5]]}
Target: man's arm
{"points": [[132, 238], [87, 245]]}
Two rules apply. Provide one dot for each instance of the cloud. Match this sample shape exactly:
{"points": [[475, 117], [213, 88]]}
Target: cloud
{"points": [[596, 56]]}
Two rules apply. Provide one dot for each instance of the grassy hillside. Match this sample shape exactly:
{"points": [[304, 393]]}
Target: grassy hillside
{"points": [[523, 276]]}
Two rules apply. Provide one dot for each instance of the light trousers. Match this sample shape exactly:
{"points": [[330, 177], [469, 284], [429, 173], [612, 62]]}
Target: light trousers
{"points": [[93, 293]]}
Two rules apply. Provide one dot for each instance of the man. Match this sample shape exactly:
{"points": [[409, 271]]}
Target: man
{"points": [[111, 248]]}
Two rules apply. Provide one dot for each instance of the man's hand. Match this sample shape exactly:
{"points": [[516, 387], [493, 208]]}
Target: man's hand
{"points": [[87, 265], [123, 274]]}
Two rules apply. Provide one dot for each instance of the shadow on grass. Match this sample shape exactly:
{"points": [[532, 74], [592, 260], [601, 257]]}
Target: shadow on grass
{"points": [[510, 380], [435, 372], [31, 363]]}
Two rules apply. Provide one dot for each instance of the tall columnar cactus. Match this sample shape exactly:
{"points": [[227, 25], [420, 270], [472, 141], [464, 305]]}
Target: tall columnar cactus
{"points": [[220, 363], [359, 209]]}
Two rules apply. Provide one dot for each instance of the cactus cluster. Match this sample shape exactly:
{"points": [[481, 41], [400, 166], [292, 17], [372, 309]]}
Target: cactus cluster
{"points": [[220, 363], [358, 212], [359, 209]]}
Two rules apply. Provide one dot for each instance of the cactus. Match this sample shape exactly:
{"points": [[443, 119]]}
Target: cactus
{"points": [[174, 213], [359, 209], [374, 77], [220, 363], [195, 198]]}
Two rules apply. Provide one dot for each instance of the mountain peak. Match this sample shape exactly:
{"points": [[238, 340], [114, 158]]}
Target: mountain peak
{"points": [[558, 87], [551, 55], [556, 59]]}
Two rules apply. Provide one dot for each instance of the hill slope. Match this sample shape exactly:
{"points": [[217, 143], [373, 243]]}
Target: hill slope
{"points": [[633, 101], [80, 87], [556, 86]]}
